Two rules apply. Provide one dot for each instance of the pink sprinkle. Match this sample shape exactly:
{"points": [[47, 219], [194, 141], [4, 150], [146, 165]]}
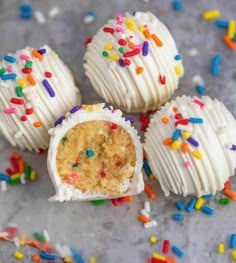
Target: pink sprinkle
{"points": [[10, 110], [9, 68], [119, 16], [120, 29], [145, 26], [201, 104], [24, 57], [75, 176], [187, 164], [137, 46]]}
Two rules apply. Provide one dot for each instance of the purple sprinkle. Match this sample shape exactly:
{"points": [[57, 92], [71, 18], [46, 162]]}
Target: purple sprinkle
{"points": [[121, 62], [49, 88], [42, 51], [74, 109], [193, 142], [145, 48], [233, 147], [131, 120], [59, 120]]}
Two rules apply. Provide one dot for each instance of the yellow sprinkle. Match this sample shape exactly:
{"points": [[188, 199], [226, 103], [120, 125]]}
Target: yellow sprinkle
{"points": [[158, 256], [141, 28], [18, 255], [221, 248], [186, 134], [199, 204], [22, 240], [88, 107], [197, 154], [67, 260], [15, 176], [178, 70], [22, 83], [33, 175], [231, 29], [108, 46], [114, 57], [129, 22], [233, 254], [211, 14], [131, 28], [92, 260], [153, 239], [151, 176], [55, 55], [175, 145]]}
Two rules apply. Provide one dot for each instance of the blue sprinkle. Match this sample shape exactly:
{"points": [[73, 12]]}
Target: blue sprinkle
{"points": [[216, 59], [178, 217], [146, 168], [4, 177], [180, 206], [26, 15], [178, 57], [207, 210], [9, 76], [47, 256], [200, 89], [196, 120], [90, 153], [215, 70], [176, 134], [191, 205], [177, 5], [26, 7], [222, 23], [234, 39], [90, 13], [209, 196], [76, 256], [177, 251], [9, 59], [59, 120], [232, 243]]}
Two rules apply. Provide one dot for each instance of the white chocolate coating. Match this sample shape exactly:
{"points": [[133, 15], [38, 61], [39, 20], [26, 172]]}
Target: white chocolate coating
{"points": [[46, 109], [66, 192], [122, 86], [215, 136]]}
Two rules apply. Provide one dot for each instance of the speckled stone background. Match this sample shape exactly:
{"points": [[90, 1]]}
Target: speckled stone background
{"points": [[113, 234]]}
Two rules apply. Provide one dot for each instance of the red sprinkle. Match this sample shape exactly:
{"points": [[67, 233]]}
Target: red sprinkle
{"points": [[121, 199], [9, 171], [17, 101], [114, 126], [14, 164], [162, 79], [27, 70], [115, 202], [166, 246], [132, 53], [143, 117], [88, 40], [122, 42], [227, 185], [126, 62], [103, 174], [48, 74], [29, 111], [23, 118], [178, 116], [11, 231], [182, 122], [108, 30], [157, 260]]}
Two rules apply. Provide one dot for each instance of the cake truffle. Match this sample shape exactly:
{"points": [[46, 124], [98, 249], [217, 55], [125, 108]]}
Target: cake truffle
{"points": [[94, 153], [132, 62], [190, 146], [36, 87]]}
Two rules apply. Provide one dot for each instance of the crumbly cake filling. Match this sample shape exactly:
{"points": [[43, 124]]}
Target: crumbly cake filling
{"points": [[97, 156]]}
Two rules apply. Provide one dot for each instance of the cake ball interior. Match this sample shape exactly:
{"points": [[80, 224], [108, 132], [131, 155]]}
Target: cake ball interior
{"points": [[97, 156]]}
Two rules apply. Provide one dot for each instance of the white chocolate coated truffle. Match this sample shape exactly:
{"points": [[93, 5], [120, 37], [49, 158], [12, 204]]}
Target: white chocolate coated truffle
{"points": [[36, 87], [190, 145], [132, 62]]}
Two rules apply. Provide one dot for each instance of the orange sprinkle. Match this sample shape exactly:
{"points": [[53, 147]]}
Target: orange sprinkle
{"points": [[230, 194], [36, 54], [167, 141], [44, 246], [32, 243], [128, 198], [139, 70], [147, 34], [36, 258], [131, 44], [184, 147], [157, 40], [174, 109], [21, 166], [31, 80], [170, 259], [149, 191], [15, 155], [229, 42], [37, 124], [143, 219], [165, 120]]}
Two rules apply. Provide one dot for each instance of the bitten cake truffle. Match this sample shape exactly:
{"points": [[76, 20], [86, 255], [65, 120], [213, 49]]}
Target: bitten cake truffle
{"points": [[94, 153], [191, 146], [36, 87], [132, 62]]}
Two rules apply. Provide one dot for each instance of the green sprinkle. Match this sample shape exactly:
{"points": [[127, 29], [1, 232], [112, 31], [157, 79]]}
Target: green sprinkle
{"points": [[27, 172], [39, 237], [14, 181], [28, 64], [19, 92], [122, 50], [64, 139], [74, 165], [150, 116], [105, 54], [2, 71], [98, 202], [224, 201]]}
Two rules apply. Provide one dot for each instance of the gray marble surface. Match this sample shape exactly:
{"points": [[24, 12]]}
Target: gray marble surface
{"points": [[113, 234]]}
